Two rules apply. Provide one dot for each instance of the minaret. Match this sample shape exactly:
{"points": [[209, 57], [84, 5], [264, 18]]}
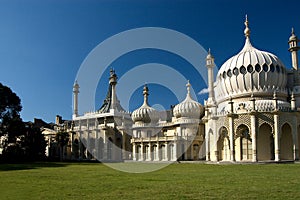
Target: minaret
{"points": [[293, 48], [293, 43], [75, 99], [113, 82], [210, 64]]}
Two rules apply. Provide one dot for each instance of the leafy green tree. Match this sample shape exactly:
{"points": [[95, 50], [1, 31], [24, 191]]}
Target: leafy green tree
{"points": [[11, 124], [33, 143], [23, 141], [10, 121], [62, 138]]}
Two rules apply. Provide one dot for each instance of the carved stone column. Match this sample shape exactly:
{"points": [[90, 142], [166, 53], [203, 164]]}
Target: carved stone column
{"points": [[253, 136], [276, 138]]}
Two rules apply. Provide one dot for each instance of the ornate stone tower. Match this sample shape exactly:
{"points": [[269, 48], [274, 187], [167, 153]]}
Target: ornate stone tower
{"points": [[210, 64], [293, 43], [293, 48], [75, 99], [113, 82]]}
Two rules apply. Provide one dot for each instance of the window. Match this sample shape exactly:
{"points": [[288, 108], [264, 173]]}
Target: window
{"points": [[257, 68], [224, 75], [235, 71], [272, 68], [265, 67], [243, 70], [250, 68], [229, 74]]}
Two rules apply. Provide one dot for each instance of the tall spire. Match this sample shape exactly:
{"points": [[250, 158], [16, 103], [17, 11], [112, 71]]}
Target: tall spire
{"points": [[209, 59], [111, 101], [210, 64], [113, 82]]}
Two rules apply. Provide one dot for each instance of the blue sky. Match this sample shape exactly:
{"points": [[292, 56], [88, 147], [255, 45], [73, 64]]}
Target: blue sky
{"points": [[43, 43]]}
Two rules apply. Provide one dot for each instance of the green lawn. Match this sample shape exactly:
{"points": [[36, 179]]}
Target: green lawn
{"points": [[177, 181]]}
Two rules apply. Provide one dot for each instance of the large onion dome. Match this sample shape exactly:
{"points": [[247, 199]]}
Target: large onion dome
{"points": [[188, 108], [145, 114], [251, 72]]}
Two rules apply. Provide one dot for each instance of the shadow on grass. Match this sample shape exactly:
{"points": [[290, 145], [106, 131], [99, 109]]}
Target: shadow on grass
{"points": [[27, 166]]}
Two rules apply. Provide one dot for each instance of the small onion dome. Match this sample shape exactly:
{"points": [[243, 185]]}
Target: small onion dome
{"points": [[209, 56], [293, 36], [76, 86], [188, 108], [145, 113], [251, 71]]}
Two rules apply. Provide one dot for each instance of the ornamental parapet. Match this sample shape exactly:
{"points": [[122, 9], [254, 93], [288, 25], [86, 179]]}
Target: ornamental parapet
{"points": [[186, 121], [154, 139]]}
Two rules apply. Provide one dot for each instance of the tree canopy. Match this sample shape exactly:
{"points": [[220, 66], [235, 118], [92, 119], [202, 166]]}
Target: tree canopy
{"points": [[10, 104], [10, 107], [22, 141]]}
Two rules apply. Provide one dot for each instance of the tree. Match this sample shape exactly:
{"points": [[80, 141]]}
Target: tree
{"points": [[62, 139], [11, 125], [20, 141], [10, 107], [33, 143]]}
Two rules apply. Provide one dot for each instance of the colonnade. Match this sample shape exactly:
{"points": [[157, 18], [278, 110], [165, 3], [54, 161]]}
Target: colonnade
{"points": [[277, 141]]}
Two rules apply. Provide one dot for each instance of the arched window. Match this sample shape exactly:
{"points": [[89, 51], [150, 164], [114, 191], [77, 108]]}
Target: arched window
{"points": [[243, 143], [286, 143]]}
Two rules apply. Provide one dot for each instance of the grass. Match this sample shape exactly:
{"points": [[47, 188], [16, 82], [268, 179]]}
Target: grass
{"points": [[177, 181]]}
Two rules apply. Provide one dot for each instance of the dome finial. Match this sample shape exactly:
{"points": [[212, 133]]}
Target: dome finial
{"points": [[146, 93], [247, 29], [188, 87]]}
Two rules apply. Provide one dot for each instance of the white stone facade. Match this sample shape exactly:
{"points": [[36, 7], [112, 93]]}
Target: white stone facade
{"points": [[251, 114]]}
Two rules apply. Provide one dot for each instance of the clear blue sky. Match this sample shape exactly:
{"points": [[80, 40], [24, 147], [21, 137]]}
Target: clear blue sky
{"points": [[43, 43]]}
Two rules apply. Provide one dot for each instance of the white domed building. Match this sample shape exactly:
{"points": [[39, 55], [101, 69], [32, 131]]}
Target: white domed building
{"points": [[177, 137], [251, 113]]}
